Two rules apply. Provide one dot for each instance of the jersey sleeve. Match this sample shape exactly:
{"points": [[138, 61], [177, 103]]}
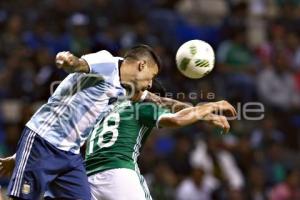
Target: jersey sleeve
{"points": [[150, 113], [101, 63]]}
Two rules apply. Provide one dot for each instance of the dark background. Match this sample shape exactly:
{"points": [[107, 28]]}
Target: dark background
{"points": [[257, 46]]}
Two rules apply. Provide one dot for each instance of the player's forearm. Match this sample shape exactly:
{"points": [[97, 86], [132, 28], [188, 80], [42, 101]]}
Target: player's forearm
{"points": [[187, 116], [174, 105], [171, 104], [81, 66], [77, 65]]}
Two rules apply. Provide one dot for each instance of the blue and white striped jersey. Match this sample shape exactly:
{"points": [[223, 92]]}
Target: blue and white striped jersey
{"points": [[80, 99]]}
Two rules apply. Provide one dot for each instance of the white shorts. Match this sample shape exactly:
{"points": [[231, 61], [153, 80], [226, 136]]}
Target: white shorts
{"points": [[119, 184]]}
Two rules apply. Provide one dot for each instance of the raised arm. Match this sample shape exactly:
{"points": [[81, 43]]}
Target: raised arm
{"points": [[192, 115], [169, 103], [101, 64], [220, 107], [70, 63]]}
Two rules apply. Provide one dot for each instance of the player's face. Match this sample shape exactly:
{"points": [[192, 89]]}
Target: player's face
{"points": [[138, 74], [145, 75]]}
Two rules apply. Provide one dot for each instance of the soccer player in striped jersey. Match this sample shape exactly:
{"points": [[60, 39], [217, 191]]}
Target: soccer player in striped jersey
{"points": [[47, 157], [73, 182]]}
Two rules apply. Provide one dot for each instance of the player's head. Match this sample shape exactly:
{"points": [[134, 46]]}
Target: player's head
{"points": [[139, 68]]}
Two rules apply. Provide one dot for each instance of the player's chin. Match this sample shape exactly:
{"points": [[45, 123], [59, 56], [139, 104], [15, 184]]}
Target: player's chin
{"points": [[142, 89]]}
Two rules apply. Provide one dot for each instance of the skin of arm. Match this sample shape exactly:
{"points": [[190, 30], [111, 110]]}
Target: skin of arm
{"points": [[70, 63], [192, 115], [171, 104], [220, 107], [7, 166]]}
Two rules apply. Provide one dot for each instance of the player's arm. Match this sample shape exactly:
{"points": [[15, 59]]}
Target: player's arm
{"points": [[192, 115], [101, 64], [171, 104], [174, 106], [7, 165], [70, 63]]}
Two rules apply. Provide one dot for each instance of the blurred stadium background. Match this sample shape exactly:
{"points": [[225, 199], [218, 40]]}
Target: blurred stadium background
{"points": [[257, 45]]}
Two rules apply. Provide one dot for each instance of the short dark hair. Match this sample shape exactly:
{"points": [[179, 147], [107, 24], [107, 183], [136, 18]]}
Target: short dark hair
{"points": [[143, 50]]}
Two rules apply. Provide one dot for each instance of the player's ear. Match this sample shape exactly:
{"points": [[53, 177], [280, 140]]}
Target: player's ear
{"points": [[142, 65]]}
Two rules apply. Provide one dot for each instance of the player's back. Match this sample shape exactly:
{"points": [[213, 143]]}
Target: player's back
{"points": [[71, 111], [116, 141]]}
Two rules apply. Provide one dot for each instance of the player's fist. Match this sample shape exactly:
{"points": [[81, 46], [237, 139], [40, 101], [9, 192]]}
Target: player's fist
{"points": [[225, 108], [70, 63], [7, 166], [218, 121], [67, 61]]}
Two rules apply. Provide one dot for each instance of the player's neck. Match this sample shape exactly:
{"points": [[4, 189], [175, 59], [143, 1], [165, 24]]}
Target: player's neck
{"points": [[136, 96]]}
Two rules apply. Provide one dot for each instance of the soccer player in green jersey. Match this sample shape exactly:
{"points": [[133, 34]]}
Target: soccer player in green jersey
{"points": [[115, 143]]}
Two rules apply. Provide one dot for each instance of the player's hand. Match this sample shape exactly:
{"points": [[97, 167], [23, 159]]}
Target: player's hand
{"points": [[67, 61], [218, 121], [7, 166], [224, 108]]}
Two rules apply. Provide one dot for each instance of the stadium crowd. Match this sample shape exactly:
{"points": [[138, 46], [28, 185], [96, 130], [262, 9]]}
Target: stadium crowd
{"points": [[257, 45]]}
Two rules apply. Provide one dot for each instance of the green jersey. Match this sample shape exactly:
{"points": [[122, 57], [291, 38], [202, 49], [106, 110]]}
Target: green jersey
{"points": [[116, 141]]}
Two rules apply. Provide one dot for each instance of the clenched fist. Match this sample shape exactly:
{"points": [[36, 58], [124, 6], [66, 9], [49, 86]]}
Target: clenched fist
{"points": [[225, 108], [218, 121], [70, 63]]}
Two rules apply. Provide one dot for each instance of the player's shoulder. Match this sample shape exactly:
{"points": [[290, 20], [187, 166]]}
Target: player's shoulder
{"points": [[145, 107], [105, 53], [103, 63], [103, 56]]}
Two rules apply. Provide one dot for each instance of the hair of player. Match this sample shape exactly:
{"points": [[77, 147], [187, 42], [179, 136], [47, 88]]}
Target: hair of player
{"points": [[143, 51]]}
